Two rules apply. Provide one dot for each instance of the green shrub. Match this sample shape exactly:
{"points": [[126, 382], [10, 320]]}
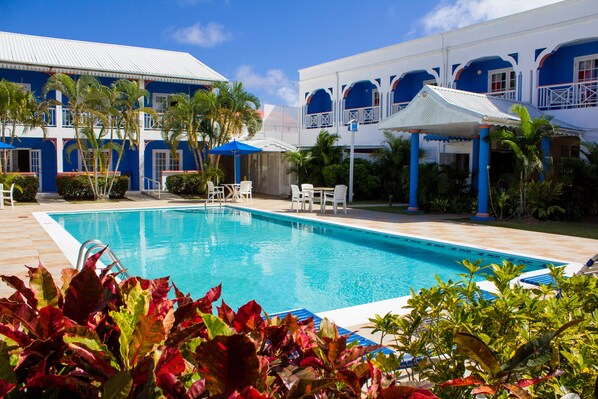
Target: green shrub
{"points": [[186, 183], [78, 188], [542, 199], [26, 187], [366, 185]]}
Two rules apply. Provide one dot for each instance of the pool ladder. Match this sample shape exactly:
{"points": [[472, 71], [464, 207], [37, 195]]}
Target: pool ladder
{"points": [[85, 253]]}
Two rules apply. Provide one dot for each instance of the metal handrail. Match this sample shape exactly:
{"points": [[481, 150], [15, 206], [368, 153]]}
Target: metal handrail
{"points": [[85, 253], [156, 182]]}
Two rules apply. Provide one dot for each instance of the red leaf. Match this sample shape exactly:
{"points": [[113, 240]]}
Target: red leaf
{"points": [[160, 288], [18, 336], [171, 361], [248, 317], [169, 384], [249, 393], [423, 394], [196, 389], [484, 389], [312, 361], [229, 363], [83, 296], [396, 392], [462, 382], [6, 387], [213, 294], [351, 380], [528, 382], [51, 322], [79, 388], [20, 286], [19, 312], [226, 314], [518, 392], [91, 262]]}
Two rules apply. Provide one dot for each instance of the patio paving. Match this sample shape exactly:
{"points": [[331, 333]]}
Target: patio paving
{"points": [[26, 242]]}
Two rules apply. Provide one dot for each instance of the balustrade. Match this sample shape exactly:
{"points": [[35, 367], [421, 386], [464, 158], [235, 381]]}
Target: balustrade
{"points": [[319, 120], [364, 116], [568, 95]]}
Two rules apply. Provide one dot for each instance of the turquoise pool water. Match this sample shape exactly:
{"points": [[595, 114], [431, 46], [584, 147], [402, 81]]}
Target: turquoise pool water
{"points": [[281, 263]]}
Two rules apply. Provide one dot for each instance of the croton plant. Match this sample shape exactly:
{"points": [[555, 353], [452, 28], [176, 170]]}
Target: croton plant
{"points": [[98, 337]]}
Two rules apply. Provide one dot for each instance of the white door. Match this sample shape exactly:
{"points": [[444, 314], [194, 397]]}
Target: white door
{"points": [[35, 165], [163, 160]]}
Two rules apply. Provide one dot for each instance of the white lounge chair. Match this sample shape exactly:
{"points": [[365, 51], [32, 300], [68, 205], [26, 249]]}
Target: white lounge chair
{"points": [[245, 190], [215, 192], [7, 195], [339, 196], [297, 197]]}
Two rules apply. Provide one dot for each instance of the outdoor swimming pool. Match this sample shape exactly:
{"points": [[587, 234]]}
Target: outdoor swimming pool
{"points": [[279, 261]]}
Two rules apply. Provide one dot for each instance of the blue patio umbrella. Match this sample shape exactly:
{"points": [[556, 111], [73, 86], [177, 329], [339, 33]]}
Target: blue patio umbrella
{"points": [[235, 148], [4, 146]]}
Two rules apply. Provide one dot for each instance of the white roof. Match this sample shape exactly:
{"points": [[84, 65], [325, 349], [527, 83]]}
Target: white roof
{"points": [[269, 144], [71, 56], [444, 111]]}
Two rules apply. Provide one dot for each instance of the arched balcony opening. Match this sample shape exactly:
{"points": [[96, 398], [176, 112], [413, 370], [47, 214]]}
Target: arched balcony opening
{"points": [[489, 75], [568, 76], [318, 110], [362, 103], [405, 88]]}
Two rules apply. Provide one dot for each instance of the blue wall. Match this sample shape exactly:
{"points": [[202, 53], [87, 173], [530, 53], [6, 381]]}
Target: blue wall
{"points": [[320, 102], [37, 80], [559, 68], [360, 95], [48, 159], [409, 85], [171, 88], [469, 80]]}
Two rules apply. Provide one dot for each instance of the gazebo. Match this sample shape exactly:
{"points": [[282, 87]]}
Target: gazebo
{"points": [[454, 114]]}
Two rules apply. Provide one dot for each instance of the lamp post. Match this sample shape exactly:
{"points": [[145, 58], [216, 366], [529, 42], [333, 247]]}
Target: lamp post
{"points": [[353, 126]]}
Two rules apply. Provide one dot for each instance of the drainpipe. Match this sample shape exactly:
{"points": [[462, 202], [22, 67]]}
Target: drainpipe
{"points": [[338, 106], [444, 60]]}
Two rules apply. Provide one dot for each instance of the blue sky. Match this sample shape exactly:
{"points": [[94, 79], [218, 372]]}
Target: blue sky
{"points": [[259, 42]]}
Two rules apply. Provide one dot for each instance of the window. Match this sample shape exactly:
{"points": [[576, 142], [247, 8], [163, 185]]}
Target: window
{"points": [[102, 164], [25, 87], [375, 98], [164, 160], [501, 80], [160, 102], [586, 68]]}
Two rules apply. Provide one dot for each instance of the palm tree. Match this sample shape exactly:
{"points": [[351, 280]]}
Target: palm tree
{"points": [[392, 160], [324, 152], [525, 141], [299, 163], [18, 107], [86, 106]]}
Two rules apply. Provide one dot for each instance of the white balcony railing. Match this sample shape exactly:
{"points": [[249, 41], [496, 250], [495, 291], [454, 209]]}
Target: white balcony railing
{"points": [[568, 95], [364, 116], [67, 119], [319, 120], [396, 107], [149, 123], [506, 94]]}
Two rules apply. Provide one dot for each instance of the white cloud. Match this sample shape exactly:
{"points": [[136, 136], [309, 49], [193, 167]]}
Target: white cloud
{"points": [[210, 35], [274, 83], [458, 13]]}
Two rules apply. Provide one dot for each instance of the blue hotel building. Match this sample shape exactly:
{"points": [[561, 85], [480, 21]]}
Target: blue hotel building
{"points": [[31, 60]]}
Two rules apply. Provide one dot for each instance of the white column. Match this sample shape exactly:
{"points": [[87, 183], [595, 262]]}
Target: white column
{"points": [[59, 153], [58, 110]]}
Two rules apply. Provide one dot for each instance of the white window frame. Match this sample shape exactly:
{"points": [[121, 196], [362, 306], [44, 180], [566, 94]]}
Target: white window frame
{"points": [[168, 161], [375, 95], [90, 151], [155, 97], [576, 62], [506, 71]]}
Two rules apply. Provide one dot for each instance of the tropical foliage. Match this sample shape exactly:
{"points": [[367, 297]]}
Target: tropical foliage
{"points": [[105, 119], [523, 343], [209, 119], [20, 111], [392, 161], [97, 337]]}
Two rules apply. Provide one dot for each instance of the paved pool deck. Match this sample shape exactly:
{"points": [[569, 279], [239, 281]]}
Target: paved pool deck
{"points": [[26, 242]]}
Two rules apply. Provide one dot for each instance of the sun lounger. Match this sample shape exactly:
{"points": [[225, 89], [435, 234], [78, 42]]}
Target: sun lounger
{"points": [[408, 361], [547, 279]]}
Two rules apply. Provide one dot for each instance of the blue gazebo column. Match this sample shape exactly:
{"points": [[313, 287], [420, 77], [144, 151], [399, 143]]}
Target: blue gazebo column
{"points": [[545, 147], [413, 171], [237, 168], [475, 161], [483, 174]]}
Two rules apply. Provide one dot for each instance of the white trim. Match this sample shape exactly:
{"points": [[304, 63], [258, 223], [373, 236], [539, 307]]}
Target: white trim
{"points": [[168, 162], [576, 62], [155, 96], [506, 71]]}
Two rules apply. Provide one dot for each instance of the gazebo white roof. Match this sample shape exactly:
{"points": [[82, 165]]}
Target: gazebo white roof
{"points": [[53, 55], [450, 112], [270, 144]]}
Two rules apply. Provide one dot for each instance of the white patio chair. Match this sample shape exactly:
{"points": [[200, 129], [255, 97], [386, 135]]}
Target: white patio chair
{"points": [[245, 190], [297, 197], [339, 196], [215, 192], [309, 194], [7, 195]]}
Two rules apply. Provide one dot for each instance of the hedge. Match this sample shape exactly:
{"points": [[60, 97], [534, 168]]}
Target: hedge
{"points": [[28, 184], [186, 183], [77, 187]]}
